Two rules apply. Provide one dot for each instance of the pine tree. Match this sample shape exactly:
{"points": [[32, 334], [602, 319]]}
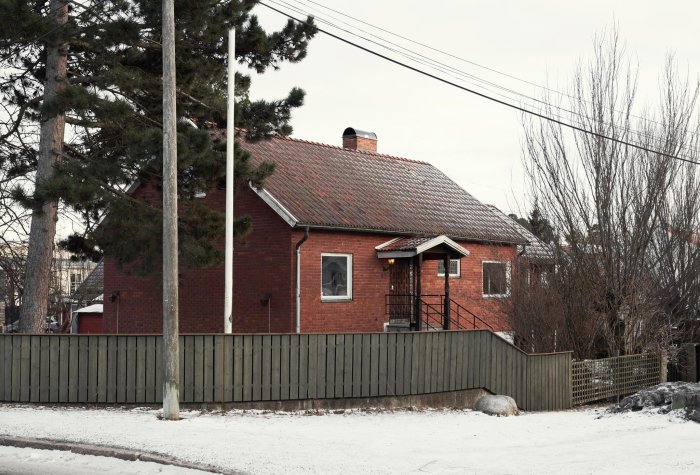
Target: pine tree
{"points": [[111, 100]]}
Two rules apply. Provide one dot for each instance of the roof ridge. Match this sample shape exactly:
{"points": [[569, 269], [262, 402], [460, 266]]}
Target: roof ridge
{"points": [[336, 147]]}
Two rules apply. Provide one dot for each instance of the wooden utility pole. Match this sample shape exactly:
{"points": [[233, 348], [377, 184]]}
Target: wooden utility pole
{"points": [[35, 301], [171, 360]]}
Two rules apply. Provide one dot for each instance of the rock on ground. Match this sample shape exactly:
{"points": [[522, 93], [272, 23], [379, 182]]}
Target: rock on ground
{"points": [[664, 398], [496, 405]]}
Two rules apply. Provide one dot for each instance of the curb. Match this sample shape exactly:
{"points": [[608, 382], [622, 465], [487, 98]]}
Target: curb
{"points": [[106, 451]]}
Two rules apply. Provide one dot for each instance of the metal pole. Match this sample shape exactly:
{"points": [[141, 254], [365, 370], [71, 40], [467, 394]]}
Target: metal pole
{"points": [[230, 132], [419, 290], [446, 309], [171, 370]]}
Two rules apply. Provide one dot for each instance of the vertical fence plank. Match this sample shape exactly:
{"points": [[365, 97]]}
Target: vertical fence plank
{"points": [[294, 366], [188, 376], [383, 348], [415, 379], [248, 368], [266, 370], [150, 370], [15, 355], [339, 362], [313, 389], [83, 371], [374, 364], [63, 368], [208, 368], [238, 349], [275, 381], [439, 354], [25, 368], [303, 366], [285, 369], [159, 368], [102, 381], [257, 368], [366, 363], [403, 363], [198, 368], [357, 365], [92, 368], [227, 368], [321, 363], [329, 367], [391, 364], [218, 368], [54, 368], [111, 375], [35, 369], [347, 366], [3, 379], [430, 363]]}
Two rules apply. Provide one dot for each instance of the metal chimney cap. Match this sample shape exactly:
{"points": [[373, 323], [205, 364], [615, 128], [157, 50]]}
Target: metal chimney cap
{"points": [[353, 132]]}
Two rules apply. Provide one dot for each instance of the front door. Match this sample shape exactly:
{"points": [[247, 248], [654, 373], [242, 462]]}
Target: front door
{"points": [[401, 290]]}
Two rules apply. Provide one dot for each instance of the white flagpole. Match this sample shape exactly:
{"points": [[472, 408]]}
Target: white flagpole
{"points": [[228, 267]]}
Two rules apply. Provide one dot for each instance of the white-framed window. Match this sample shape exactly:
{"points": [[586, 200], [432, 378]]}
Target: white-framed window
{"points": [[336, 276], [76, 278], [454, 268], [496, 278]]}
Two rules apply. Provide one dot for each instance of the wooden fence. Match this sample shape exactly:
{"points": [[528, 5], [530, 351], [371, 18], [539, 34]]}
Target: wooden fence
{"points": [[595, 380], [244, 368]]}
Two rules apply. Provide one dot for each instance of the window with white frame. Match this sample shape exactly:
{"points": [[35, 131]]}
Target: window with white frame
{"points": [[76, 278], [496, 276], [336, 276], [454, 268]]}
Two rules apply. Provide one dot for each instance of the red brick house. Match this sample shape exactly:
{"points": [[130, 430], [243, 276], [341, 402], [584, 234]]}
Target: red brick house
{"points": [[344, 239]]}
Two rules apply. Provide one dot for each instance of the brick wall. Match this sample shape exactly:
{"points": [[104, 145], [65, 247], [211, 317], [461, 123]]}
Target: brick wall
{"points": [[264, 263], [370, 282], [467, 289]]}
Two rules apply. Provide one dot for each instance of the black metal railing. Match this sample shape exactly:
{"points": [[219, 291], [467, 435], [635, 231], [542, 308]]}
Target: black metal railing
{"points": [[428, 313], [465, 319]]}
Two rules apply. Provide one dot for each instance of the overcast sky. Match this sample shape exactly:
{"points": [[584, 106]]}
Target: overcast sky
{"points": [[475, 142]]}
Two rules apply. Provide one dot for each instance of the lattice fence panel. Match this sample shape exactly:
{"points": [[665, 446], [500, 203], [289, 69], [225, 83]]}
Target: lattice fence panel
{"points": [[595, 380]]}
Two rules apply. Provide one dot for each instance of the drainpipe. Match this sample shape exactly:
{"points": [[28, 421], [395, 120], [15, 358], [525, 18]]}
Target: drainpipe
{"points": [[298, 291]]}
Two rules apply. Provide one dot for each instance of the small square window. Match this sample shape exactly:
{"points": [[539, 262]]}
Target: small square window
{"points": [[454, 268], [496, 279], [336, 276]]}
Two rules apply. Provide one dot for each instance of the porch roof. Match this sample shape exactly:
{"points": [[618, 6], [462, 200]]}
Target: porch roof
{"points": [[412, 246]]}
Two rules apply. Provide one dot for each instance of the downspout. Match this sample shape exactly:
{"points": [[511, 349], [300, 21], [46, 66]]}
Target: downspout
{"points": [[298, 289]]}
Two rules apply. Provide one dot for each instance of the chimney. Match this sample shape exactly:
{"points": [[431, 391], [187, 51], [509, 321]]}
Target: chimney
{"points": [[356, 139]]}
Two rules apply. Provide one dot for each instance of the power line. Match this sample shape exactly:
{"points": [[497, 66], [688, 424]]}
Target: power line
{"points": [[446, 53], [486, 96], [578, 118]]}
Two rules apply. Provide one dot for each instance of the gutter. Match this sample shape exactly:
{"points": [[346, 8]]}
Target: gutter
{"points": [[298, 286]]}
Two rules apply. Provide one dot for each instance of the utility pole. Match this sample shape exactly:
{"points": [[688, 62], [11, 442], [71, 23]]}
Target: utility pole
{"points": [[171, 360], [230, 141], [43, 228]]}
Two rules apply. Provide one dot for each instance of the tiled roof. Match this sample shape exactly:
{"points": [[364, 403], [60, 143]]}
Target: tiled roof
{"points": [[327, 186], [405, 244], [536, 249]]}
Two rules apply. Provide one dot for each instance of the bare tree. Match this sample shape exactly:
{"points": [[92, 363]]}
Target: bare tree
{"points": [[614, 202]]}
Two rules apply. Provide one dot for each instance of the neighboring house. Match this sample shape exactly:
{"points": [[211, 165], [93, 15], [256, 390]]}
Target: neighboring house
{"points": [[67, 275], [344, 239]]}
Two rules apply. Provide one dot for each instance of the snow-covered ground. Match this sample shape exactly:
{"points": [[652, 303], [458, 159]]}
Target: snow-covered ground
{"points": [[18, 461], [585, 441]]}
